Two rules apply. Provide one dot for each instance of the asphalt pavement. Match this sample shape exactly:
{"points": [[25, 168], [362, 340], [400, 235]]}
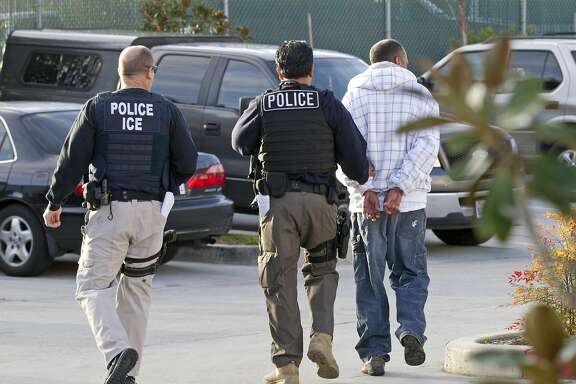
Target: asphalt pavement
{"points": [[209, 325]]}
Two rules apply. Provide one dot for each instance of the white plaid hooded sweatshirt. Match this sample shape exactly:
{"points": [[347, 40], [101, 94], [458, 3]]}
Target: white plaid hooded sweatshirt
{"points": [[382, 99]]}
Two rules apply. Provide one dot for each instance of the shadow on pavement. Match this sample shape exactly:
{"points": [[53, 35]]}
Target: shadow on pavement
{"points": [[439, 251]]}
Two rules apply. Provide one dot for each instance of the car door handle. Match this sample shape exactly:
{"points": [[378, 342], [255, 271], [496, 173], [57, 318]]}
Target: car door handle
{"points": [[552, 104], [212, 129]]}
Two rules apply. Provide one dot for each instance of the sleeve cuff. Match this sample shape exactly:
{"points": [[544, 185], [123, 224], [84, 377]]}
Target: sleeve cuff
{"points": [[53, 207], [396, 182], [368, 186]]}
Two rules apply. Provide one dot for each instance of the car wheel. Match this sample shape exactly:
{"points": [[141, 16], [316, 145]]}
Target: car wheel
{"points": [[174, 248], [465, 237], [22, 243], [568, 157]]}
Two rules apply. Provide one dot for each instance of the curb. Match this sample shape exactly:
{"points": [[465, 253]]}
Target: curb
{"points": [[220, 254], [458, 357]]}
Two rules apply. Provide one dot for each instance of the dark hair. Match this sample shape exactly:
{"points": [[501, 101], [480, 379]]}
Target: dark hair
{"points": [[385, 50], [294, 58]]}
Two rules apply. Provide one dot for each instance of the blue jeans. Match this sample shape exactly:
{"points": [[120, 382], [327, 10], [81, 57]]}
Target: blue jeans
{"points": [[398, 241]]}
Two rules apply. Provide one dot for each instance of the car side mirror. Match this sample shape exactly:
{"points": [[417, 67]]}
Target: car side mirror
{"points": [[244, 103], [426, 82]]}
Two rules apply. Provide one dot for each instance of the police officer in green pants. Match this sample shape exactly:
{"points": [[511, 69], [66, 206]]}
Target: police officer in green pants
{"points": [[299, 134]]}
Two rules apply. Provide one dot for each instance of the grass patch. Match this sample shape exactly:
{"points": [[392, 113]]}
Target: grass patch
{"points": [[234, 239]]}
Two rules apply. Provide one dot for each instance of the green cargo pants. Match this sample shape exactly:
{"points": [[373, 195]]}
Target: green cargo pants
{"points": [[297, 219]]}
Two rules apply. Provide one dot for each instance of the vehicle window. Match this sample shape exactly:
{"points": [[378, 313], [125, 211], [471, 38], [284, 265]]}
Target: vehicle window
{"points": [[241, 80], [6, 149], [48, 130], [179, 78], [552, 75], [334, 74], [476, 61], [77, 71], [524, 64]]}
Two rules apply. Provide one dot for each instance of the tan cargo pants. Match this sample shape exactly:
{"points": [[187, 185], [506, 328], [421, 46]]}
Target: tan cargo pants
{"points": [[118, 311], [296, 220]]}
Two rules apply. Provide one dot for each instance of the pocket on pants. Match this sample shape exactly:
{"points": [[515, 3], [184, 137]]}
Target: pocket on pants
{"points": [[269, 270], [321, 269]]}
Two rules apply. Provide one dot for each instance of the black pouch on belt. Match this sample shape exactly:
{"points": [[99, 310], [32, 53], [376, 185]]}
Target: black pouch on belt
{"points": [[277, 183], [92, 195]]}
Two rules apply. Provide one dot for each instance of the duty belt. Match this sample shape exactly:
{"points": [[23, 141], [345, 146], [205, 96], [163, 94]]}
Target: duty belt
{"points": [[298, 186], [124, 195]]}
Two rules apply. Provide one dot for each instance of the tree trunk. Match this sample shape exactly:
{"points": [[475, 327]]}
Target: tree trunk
{"points": [[462, 22]]}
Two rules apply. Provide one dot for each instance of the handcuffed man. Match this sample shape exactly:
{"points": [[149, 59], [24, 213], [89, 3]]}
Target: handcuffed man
{"points": [[389, 219]]}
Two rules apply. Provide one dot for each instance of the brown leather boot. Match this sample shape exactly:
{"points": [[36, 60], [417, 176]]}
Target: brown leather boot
{"points": [[320, 352], [287, 374], [374, 366]]}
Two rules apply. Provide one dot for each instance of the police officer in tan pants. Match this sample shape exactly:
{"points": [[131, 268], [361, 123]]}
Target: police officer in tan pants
{"points": [[299, 134], [136, 146]]}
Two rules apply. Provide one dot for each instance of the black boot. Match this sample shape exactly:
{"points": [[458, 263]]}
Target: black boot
{"points": [[121, 365], [413, 351]]}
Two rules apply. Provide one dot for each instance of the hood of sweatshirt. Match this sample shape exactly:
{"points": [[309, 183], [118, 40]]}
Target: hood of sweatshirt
{"points": [[382, 77]]}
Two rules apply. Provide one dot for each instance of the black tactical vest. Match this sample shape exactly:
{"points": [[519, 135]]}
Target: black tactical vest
{"points": [[295, 136], [132, 141]]}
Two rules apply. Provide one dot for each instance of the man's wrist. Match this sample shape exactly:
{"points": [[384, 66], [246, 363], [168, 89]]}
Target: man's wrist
{"points": [[367, 186], [53, 207]]}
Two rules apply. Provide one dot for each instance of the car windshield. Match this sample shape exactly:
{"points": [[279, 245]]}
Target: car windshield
{"points": [[335, 73], [49, 129]]}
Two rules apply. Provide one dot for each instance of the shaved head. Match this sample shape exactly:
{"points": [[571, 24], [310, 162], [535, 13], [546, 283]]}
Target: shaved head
{"points": [[134, 61], [387, 50]]}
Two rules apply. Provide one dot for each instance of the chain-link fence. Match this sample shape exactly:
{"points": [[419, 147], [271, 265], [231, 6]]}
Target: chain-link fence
{"points": [[425, 27]]}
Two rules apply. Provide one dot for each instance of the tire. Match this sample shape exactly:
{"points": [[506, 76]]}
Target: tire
{"points": [[174, 248], [23, 249], [463, 237], [566, 155]]}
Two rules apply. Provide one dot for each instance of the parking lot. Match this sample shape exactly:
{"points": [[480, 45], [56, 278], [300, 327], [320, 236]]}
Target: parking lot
{"points": [[208, 322]]}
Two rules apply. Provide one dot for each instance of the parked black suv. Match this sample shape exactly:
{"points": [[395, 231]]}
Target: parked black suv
{"points": [[71, 66]]}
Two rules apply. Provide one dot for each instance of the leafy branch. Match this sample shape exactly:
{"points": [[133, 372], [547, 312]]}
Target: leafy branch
{"points": [[184, 16], [491, 155]]}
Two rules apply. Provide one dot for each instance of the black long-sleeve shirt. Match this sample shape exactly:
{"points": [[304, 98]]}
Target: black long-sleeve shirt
{"points": [[349, 145], [78, 150]]}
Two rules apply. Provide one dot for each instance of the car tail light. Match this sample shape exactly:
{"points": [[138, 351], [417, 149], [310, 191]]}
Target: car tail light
{"points": [[79, 191], [212, 177]]}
